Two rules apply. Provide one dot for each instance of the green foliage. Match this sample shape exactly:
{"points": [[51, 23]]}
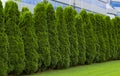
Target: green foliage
{"points": [[70, 23], [53, 35], [64, 49], [16, 55], [89, 37], [75, 13], [81, 39], [42, 35], [54, 39], [25, 9], [96, 43], [113, 39], [3, 45], [30, 42], [116, 25], [105, 38], [101, 53], [108, 37]]}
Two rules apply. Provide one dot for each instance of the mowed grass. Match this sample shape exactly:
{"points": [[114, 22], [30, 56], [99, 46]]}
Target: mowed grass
{"points": [[111, 68]]}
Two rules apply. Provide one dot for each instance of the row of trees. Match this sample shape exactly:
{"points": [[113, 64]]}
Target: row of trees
{"points": [[50, 39]]}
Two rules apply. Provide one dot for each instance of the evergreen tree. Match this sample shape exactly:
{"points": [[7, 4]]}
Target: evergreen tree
{"points": [[81, 39], [30, 42], [93, 21], [70, 22], [3, 45], [112, 37], [116, 25], [101, 53], [105, 37], [42, 35], [16, 55], [53, 35], [108, 37], [89, 38], [64, 49]]}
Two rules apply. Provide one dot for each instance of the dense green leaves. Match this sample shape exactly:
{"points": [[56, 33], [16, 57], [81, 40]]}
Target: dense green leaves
{"points": [[3, 45], [72, 33], [16, 55], [93, 21], [42, 35], [89, 37], [52, 35], [54, 39], [108, 37], [64, 49], [25, 9], [30, 42], [116, 26], [81, 39], [101, 49]]}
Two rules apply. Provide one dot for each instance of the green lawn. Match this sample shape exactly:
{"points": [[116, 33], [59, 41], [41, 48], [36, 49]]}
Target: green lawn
{"points": [[111, 68]]}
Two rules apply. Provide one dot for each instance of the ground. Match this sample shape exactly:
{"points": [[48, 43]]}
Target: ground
{"points": [[111, 68]]}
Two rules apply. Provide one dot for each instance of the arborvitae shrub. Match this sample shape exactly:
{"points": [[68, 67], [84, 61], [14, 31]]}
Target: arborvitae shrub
{"points": [[96, 31], [81, 39], [42, 35], [116, 25], [16, 55], [113, 37], [30, 42], [89, 37], [53, 35], [70, 23], [64, 49], [107, 35], [93, 21], [101, 53], [3, 45]]}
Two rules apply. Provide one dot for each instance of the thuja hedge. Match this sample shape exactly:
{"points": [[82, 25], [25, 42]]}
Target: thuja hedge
{"points": [[101, 52], [41, 30], [107, 36], [81, 39], [89, 37], [116, 52], [93, 21], [72, 34], [30, 43], [3, 45], [54, 39], [64, 49], [16, 54], [52, 35]]}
